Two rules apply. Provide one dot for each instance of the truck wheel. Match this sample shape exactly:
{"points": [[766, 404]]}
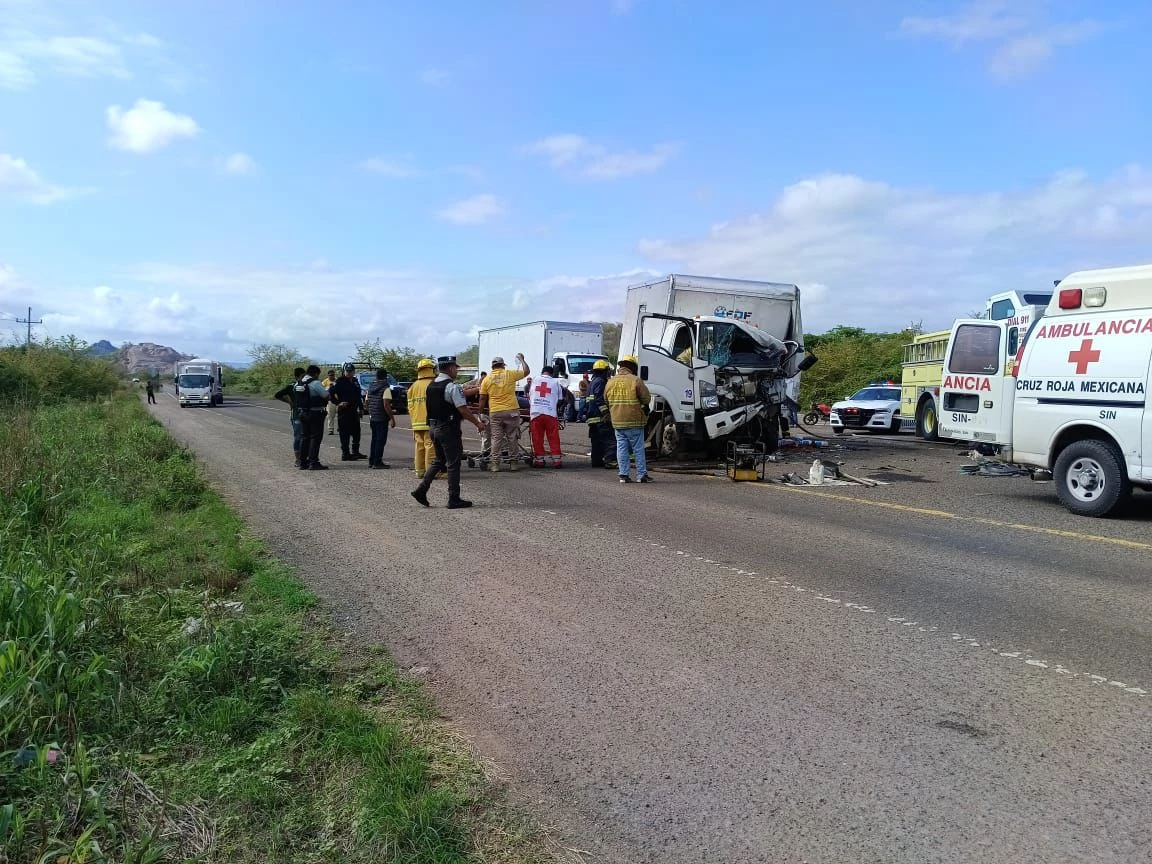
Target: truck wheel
{"points": [[665, 437], [928, 422], [1090, 478], [839, 430]]}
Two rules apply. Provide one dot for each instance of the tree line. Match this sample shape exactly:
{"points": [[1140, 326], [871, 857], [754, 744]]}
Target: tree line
{"points": [[849, 358]]}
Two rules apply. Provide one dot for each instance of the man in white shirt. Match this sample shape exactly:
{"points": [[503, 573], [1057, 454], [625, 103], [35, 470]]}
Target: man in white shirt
{"points": [[544, 397]]}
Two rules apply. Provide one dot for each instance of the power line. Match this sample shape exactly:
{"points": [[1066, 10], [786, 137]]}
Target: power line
{"points": [[29, 322]]}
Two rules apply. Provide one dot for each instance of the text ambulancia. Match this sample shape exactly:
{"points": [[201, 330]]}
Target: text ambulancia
{"points": [[1075, 404]]}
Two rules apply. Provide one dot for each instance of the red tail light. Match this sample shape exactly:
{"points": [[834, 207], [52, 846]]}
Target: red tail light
{"points": [[1071, 298]]}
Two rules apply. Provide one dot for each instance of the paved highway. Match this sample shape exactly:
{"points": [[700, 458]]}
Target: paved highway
{"points": [[942, 669]]}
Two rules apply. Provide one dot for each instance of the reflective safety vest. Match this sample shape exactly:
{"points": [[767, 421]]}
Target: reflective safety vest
{"points": [[596, 406], [418, 404], [627, 398]]}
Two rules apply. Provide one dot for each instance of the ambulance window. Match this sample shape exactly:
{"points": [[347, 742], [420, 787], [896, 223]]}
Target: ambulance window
{"points": [[1002, 309], [975, 350], [1013, 341]]}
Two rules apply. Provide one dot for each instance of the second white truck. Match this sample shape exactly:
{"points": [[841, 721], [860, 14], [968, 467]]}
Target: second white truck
{"points": [[569, 347], [716, 355]]}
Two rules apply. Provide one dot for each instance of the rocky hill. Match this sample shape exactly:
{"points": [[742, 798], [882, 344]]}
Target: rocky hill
{"points": [[102, 348], [149, 358]]}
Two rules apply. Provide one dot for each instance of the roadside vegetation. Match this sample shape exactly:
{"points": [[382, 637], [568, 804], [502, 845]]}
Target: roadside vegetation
{"points": [[850, 358], [170, 693]]}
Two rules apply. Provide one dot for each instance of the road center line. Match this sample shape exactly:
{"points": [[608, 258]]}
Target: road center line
{"points": [[979, 520], [837, 600]]}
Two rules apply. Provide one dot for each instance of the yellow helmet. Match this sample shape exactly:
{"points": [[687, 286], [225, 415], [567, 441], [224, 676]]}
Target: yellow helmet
{"points": [[426, 364], [601, 364], [630, 358]]}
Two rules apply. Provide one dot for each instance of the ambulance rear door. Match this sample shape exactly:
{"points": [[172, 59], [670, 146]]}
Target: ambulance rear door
{"points": [[977, 391]]}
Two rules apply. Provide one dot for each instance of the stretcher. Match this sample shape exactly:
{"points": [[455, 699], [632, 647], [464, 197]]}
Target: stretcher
{"points": [[482, 458]]}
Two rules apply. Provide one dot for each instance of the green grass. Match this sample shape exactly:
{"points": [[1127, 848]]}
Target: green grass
{"points": [[168, 692]]}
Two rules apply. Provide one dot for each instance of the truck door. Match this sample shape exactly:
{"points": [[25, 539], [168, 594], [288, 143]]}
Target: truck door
{"points": [[976, 395], [667, 347]]}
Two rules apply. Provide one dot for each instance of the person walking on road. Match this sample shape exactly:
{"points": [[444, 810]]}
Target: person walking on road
{"points": [[150, 389], [418, 415], [446, 407], [380, 418], [498, 398], [349, 399], [332, 411], [628, 399], [601, 438], [311, 399], [287, 395], [546, 396]]}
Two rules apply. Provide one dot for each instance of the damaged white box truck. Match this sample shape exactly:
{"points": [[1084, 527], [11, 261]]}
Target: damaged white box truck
{"points": [[716, 355]]}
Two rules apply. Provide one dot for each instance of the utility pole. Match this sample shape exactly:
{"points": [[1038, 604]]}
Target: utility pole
{"points": [[29, 322]]}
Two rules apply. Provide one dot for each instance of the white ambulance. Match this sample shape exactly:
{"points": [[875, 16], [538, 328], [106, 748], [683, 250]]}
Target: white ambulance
{"points": [[1075, 401]]}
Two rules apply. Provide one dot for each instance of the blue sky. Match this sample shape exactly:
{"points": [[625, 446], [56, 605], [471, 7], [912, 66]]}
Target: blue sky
{"points": [[213, 175]]}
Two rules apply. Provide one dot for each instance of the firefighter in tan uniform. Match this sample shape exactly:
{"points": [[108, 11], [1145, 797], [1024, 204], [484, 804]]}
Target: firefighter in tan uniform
{"points": [[418, 414]]}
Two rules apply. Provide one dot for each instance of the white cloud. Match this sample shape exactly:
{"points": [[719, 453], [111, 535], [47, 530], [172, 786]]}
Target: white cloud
{"points": [[577, 153], [222, 311], [473, 211], [147, 127], [1021, 36], [1023, 55], [76, 56], [434, 76], [978, 21], [396, 169], [885, 253], [19, 181], [239, 164]]}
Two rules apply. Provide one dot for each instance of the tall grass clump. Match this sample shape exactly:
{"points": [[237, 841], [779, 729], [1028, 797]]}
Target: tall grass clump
{"points": [[164, 693]]}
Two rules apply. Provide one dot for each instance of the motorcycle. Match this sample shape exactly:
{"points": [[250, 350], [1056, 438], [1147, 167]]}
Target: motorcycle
{"points": [[820, 413]]}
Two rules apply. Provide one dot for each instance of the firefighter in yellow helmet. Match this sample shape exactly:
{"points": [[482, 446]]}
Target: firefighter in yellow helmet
{"points": [[628, 399], [418, 414], [600, 435]]}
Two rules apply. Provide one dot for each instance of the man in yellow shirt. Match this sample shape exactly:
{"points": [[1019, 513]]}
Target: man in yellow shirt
{"points": [[332, 406], [418, 414], [498, 399]]}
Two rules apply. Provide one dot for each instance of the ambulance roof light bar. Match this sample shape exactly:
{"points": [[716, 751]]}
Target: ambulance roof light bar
{"points": [[1074, 298]]}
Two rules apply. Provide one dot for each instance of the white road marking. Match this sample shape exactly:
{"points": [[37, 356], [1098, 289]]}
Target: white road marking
{"points": [[902, 621]]}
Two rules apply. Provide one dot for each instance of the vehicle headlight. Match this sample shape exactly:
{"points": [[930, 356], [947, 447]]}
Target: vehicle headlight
{"points": [[708, 395]]}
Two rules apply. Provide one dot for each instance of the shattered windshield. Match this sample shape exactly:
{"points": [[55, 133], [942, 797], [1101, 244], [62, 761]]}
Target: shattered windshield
{"points": [[729, 345]]}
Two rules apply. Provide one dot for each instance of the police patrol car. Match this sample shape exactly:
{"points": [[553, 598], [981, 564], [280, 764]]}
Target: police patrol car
{"points": [[1075, 403], [876, 407]]}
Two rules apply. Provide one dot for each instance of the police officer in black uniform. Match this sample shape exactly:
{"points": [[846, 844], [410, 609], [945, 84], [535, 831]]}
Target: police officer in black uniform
{"points": [[446, 407], [311, 400], [349, 400]]}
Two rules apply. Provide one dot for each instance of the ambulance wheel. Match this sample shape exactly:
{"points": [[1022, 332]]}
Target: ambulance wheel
{"points": [[1090, 478], [928, 422]]}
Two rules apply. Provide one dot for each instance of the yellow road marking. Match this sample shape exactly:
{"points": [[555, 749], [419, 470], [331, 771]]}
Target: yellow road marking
{"points": [[979, 520]]}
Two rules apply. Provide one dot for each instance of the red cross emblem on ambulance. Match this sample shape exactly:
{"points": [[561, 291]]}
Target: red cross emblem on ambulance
{"points": [[543, 389], [1084, 355]]}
